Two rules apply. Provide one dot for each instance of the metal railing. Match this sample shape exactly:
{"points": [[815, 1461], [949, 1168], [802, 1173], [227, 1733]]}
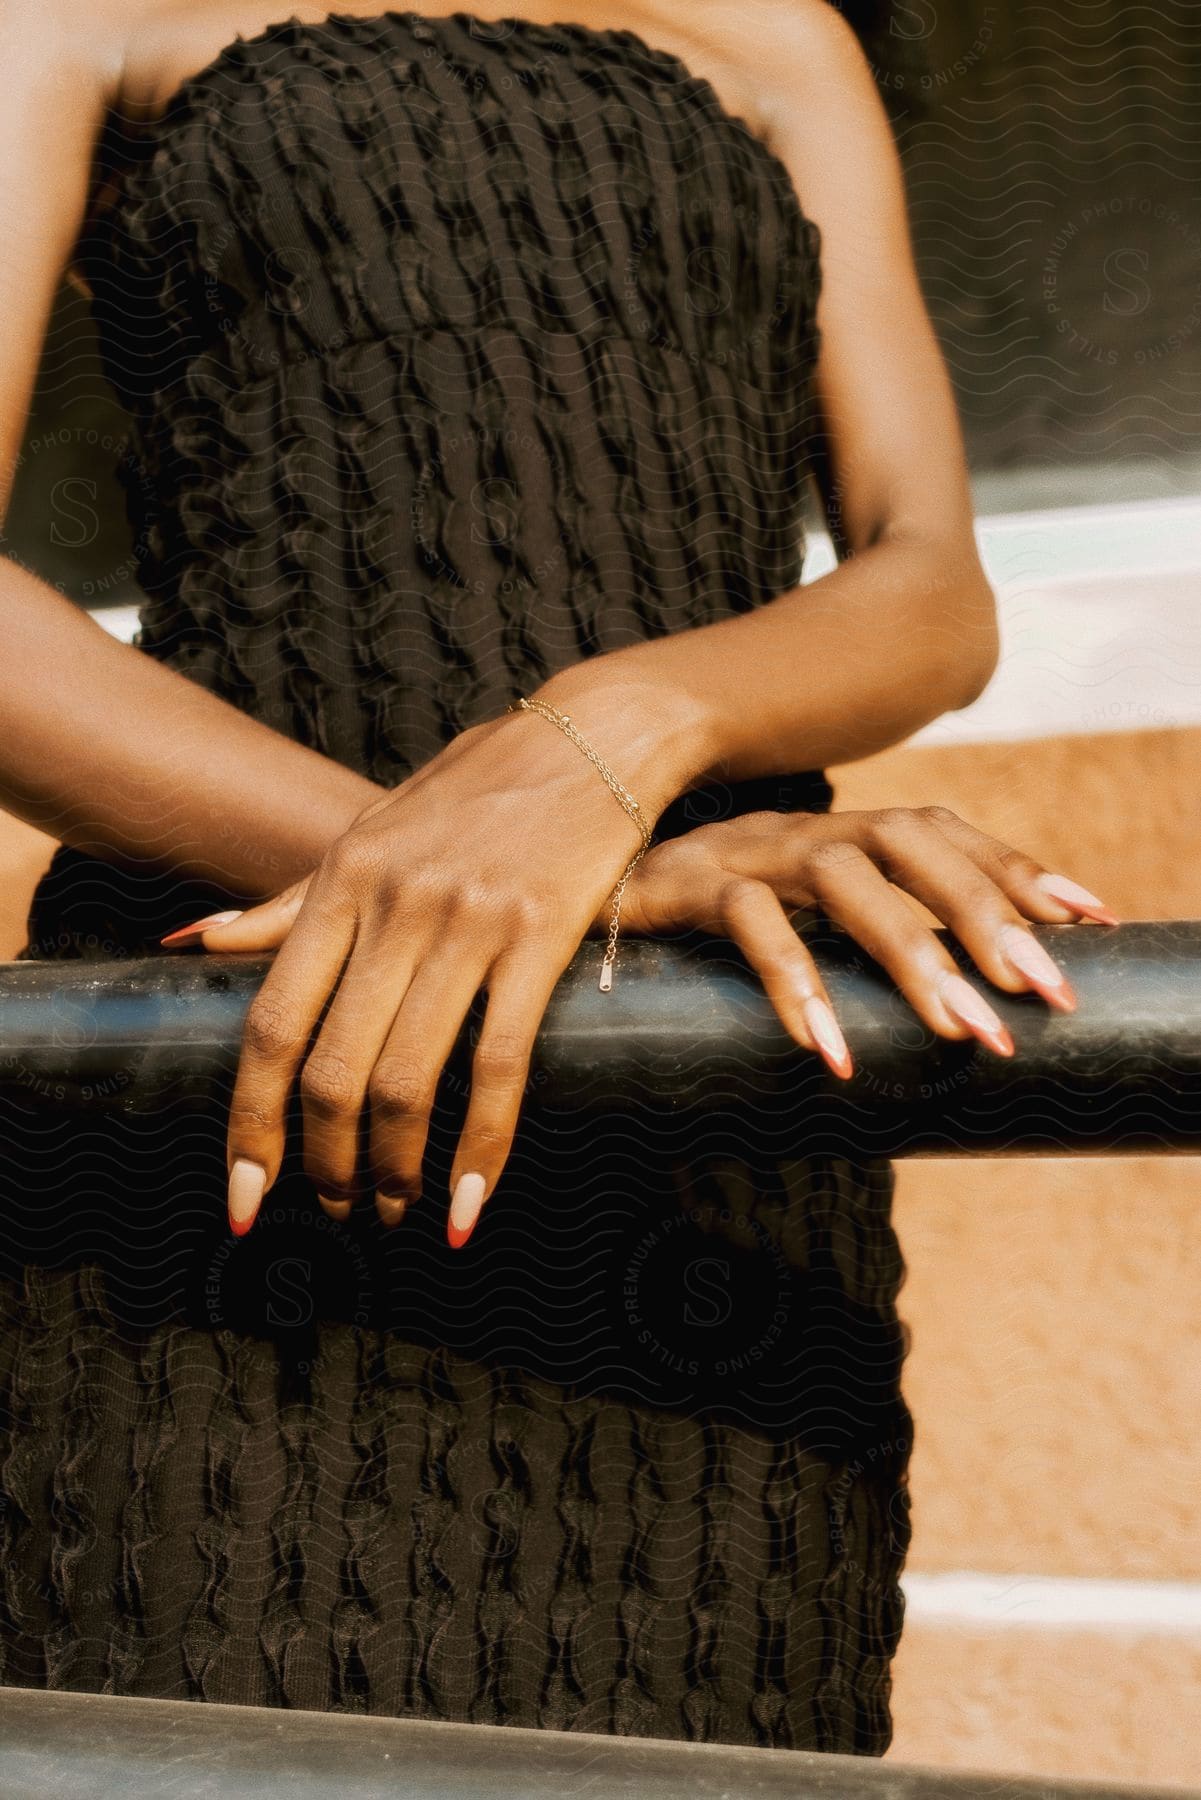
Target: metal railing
{"points": [[687, 1027], [56, 1746]]}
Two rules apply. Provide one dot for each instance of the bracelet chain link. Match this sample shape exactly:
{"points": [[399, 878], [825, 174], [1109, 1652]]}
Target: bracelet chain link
{"points": [[628, 804]]}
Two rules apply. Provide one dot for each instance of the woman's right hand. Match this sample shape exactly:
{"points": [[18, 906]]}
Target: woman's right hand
{"points": [[738, 879]]}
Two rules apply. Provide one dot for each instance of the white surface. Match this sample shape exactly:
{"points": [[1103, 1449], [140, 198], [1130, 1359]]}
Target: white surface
{"points": [[122, 621], [1100, 622], [1060, 1602]]}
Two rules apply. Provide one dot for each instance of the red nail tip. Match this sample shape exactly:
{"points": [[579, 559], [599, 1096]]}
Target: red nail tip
{"points": [[198, 926], [1064, 998], [240, 1229], [456, 1236], [1101, 914]]}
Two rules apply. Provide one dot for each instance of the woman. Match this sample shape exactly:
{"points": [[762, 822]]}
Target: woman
{"points": [[475, 359]]}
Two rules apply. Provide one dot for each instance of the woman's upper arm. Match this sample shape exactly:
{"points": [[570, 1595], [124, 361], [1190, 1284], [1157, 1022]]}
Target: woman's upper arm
{"points": [[893, 446], [60, 61]]}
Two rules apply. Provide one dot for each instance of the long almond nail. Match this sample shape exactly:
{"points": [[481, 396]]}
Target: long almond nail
{"points": [[187, 932], [247, 1180], [1078, 898], [826, 1034], [465, 1209], [1041, 971], [962, 1000]]}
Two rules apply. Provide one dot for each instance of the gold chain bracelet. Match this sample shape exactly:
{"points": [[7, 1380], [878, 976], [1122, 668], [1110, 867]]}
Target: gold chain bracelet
{"points": [[629, 805]]}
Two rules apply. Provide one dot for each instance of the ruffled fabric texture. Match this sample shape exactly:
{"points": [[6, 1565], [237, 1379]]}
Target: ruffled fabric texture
{"points": [[639, 1468], [461, 356], [457, 353]]}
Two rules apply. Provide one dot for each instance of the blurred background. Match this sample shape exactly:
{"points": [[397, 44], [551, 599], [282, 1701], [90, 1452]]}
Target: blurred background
{"points": [[1053, 161]]}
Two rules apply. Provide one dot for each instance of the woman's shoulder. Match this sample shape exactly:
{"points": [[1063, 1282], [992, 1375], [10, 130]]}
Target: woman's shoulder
{"points": [[77, 48], [769, 55], [125, 54]]}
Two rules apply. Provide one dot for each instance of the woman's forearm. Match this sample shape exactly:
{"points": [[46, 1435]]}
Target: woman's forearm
{"points": [[113, 753], [120, 756], [898, 634]]}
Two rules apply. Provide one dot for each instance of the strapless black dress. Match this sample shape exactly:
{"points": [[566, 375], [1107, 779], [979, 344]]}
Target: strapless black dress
{"points": [[455, 352]]}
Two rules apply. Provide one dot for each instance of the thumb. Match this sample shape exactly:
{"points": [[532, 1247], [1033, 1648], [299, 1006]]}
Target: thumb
{"points": [[262, 927]]}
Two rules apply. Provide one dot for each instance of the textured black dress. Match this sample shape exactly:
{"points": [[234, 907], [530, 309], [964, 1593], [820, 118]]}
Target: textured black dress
{"points": [[456, 352]]}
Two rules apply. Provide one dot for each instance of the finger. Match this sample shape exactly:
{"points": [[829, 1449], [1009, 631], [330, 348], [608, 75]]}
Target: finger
{"points": [[519, 989], [404, 1082], [261, 927], [1034, 890], [275, 1035], [187, 935], [334, 1082], [754, 919], [852, 890], [966, 897]]}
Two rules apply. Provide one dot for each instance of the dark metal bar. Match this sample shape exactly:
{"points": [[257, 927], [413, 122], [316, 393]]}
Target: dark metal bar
{"points": [[56, 1746], [687, 1028]]}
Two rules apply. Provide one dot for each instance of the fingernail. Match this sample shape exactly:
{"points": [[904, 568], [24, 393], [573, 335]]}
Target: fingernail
{"points": [[337, 1209], [391, 1207], [465, 1209], [1031, 960], [961, 998], [247, 1181], [191, 931], [1073, 895], [829, 1039]]}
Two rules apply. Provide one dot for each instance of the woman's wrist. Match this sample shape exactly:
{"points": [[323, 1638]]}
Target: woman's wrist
{"points": [[292, 835], [658, 741]]}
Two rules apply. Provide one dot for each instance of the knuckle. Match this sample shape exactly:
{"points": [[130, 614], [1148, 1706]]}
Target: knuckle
{"points": [[939, 815], [400, 1089], [974, 903], [421, 889], [737, 895], [250, 1119], [328, 1086], [899, 938], [888, 821], [501, 1059], [783, 965], [353, 863], [487, 1140], [532, 914], [482, 896], [833, 858], [1017, 862], [272, 1029], [920, 949]]}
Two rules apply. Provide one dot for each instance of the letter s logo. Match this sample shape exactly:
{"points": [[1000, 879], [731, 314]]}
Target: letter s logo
{"points": [[84, 523], [713, 1293], [922, 20], [296, 1297], [1137, 293], [488, 505]]}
